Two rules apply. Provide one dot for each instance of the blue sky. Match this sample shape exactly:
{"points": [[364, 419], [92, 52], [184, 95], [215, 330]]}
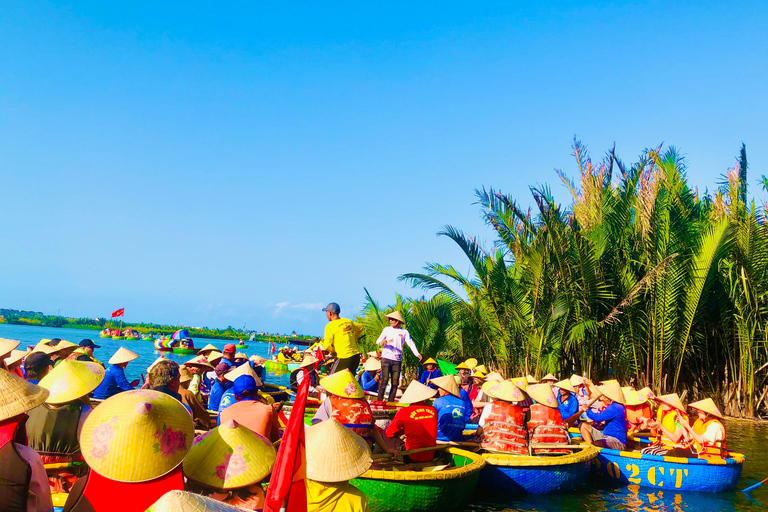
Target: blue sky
{"points": [[211, 165]]}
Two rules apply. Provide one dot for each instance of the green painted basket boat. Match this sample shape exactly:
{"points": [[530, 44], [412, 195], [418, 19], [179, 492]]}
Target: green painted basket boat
{"points": [[241, 346], [185, 351], [118, 337], [416, 491], [275, 366]]}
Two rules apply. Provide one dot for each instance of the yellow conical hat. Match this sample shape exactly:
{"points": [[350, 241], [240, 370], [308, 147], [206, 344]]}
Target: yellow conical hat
{"points": [[335, 453], [214, 357], [480, 368], [7, 345], [549, 377], [342, 384], [240, 355], [429, 361], [64, 344], [520, 382], [136, 436], [478, 375], [530, 379], [43, 347], [15, 356], [372, 365], [229, 457], [504, 390], [243, 369], [18, 396], [646, 392], [123, 355], [417, 392], [542, 393], [470, 363], [207, 349], [448, 383], [183, 501], [310, 360], [184, 374], [565, 384], [673, 400], [200, 362], [576, 380], [494, 377], [612, 390], [632, 397], [70, 380], [463, 366], [708, 406]]}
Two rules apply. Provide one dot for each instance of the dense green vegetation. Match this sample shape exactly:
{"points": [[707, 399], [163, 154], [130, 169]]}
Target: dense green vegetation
{"points": [[641, 277]]}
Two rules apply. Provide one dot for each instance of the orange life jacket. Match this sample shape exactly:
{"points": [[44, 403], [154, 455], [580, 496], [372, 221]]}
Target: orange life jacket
{"points": [[708, 450], [504, 430], [354, 413], [546, 426], [636, 413], [669, 420]]}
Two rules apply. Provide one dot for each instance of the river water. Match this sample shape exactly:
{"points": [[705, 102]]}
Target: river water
{"points": [[746, 437]]}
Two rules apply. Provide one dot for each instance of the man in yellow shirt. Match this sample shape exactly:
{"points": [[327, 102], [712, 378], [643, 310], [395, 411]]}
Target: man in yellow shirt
{"points": [[341, 337]]}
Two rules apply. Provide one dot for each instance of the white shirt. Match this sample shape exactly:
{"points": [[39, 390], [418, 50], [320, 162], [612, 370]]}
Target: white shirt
{"points": [[393, 340], [713, 433]]}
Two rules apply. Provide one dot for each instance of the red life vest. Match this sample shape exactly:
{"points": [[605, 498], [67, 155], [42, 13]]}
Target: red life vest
{"points": [[546, 426], [504, 429], [15, 472], [636, 413], [354, 413], [708, 450]]}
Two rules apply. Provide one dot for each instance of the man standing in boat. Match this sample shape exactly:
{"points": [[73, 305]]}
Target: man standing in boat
{"points": [[341, 335]]}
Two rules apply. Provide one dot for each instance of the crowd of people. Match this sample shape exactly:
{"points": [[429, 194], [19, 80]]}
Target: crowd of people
{"points": [[207, 430]]}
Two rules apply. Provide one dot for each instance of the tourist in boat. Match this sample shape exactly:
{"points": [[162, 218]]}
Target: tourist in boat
{"points": [[393, 339], [228, 398], [667, 429], [431, 371], [502, 423], [6, 347], [228, 355], [134, 444], [707, 434], [185, 501], [466, 387], [36, 366], [53, 427], [638, 410], [417, 421], [258, 366], [200, 384], [84, 352], [370, 378], [482, 399], [476, 395], [62, 349], [114, 378], [545, 425], [249, 411], [297, 376], [14, 363], [165, 377], [23, 481], [582, 393], [374, 354], [207, 350], [567, 403], [240, 358], [199, 414], [451, 410], [549, 378], [335, 455], [219, 387], [340, 338], [614, 417], [215, 470]]}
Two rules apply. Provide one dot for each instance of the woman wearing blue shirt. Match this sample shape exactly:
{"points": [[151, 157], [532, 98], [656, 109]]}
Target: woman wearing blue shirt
{"points": [[431, 371], [369, 379], [567, 403], [114, 376], [614, 433]]}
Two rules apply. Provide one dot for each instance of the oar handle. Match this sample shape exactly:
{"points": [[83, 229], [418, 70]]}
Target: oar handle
{"points": [[571, 420], [753, 487], [409, 452]]}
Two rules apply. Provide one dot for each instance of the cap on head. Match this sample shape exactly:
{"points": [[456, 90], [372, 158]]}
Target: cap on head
{"points": [[244, 383], [221, 369], [229, 348], [332, 308], [89, 343]]}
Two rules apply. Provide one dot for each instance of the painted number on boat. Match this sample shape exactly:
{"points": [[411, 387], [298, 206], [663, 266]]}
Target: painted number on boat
{"points": [[656, 475]]}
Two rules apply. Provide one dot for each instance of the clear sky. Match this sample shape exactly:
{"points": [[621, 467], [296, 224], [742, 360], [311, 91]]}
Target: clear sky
{"points": [[228, 162]]}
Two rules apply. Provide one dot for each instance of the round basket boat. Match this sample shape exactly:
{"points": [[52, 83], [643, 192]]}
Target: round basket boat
{"points": [[416, 491], [521, 474], [275, 366], [673, 473], [241, 346], [185, 351], [279, 393]]}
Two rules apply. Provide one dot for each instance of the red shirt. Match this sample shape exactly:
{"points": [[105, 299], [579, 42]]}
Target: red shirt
{"points": [[419, 424]]}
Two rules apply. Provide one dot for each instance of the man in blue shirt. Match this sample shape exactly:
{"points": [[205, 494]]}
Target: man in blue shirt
{"points": [[114, 377], [431, 371], [451, 410], [567, 403], [369, 379], [219, 387], [614, 416]]}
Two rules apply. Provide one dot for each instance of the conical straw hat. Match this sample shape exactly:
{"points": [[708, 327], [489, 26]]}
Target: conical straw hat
{"points": [[494, 377], [520, 382], [342, 384], [471, 363], [632, 397], [375, 354], [448, 383], [480, 368], [214, 357], [199, 362], [123, 355], [160, 358], [565, 384], [417, 392], [229, 457], [64, 344], [478, 375], [576, 380], [243, 369], [335, 453], [463, 366], [312, 360], [15, 356], [504, 390], [136, 436], [70, 380], [549, 377], [530, 379], [18, 396], [646, 392], [7, 345], [184, 374], [183, 501], [44, 348], [610, 381], [395, 315], [206, 349], [372, 365], [542, 393], [257, 360], [673, 400], [429, 361], [241, 355], [708, 406], [613, 391]]}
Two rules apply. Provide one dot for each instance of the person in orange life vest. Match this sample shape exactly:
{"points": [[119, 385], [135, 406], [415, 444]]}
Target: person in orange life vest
{"points": [[482, 399], [638, 409], [502, 423], [133, 443], [667, 428], [707, 434], [417, 421], [249, 412], [14, 363], [23, 481], [614, 416], [227, 464], [346, 404], [6, 347], [545, 424]]}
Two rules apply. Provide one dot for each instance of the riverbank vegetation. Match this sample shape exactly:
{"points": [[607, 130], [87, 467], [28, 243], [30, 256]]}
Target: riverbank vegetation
{"points": [[641, 277]]}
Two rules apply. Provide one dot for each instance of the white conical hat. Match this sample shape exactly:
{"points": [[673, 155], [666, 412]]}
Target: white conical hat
{"points": [[7, 345], [335, 453], [243, 369], [123, 355], [447, 383], [416, 392]]}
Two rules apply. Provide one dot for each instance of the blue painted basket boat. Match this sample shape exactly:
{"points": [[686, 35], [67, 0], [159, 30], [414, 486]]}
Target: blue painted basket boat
{"points": [[521, 474], [673, 473]]}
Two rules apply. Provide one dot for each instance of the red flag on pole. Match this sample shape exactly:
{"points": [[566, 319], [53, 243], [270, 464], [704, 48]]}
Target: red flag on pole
{"points": [[319, 356], [287, 487], [118, 312], [272, 351]]}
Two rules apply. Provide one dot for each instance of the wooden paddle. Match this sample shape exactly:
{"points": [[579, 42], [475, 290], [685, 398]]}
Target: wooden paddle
{"points": [[572, 419], [381, 456], [753, 487]]}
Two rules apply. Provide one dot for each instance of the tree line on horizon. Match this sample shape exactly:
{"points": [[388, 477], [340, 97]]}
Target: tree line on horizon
{"points": [[639, 278]]}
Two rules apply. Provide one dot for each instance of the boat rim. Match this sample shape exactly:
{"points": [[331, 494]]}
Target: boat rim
{"points": [[734, 458], [457, 472], [585, 453]]}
